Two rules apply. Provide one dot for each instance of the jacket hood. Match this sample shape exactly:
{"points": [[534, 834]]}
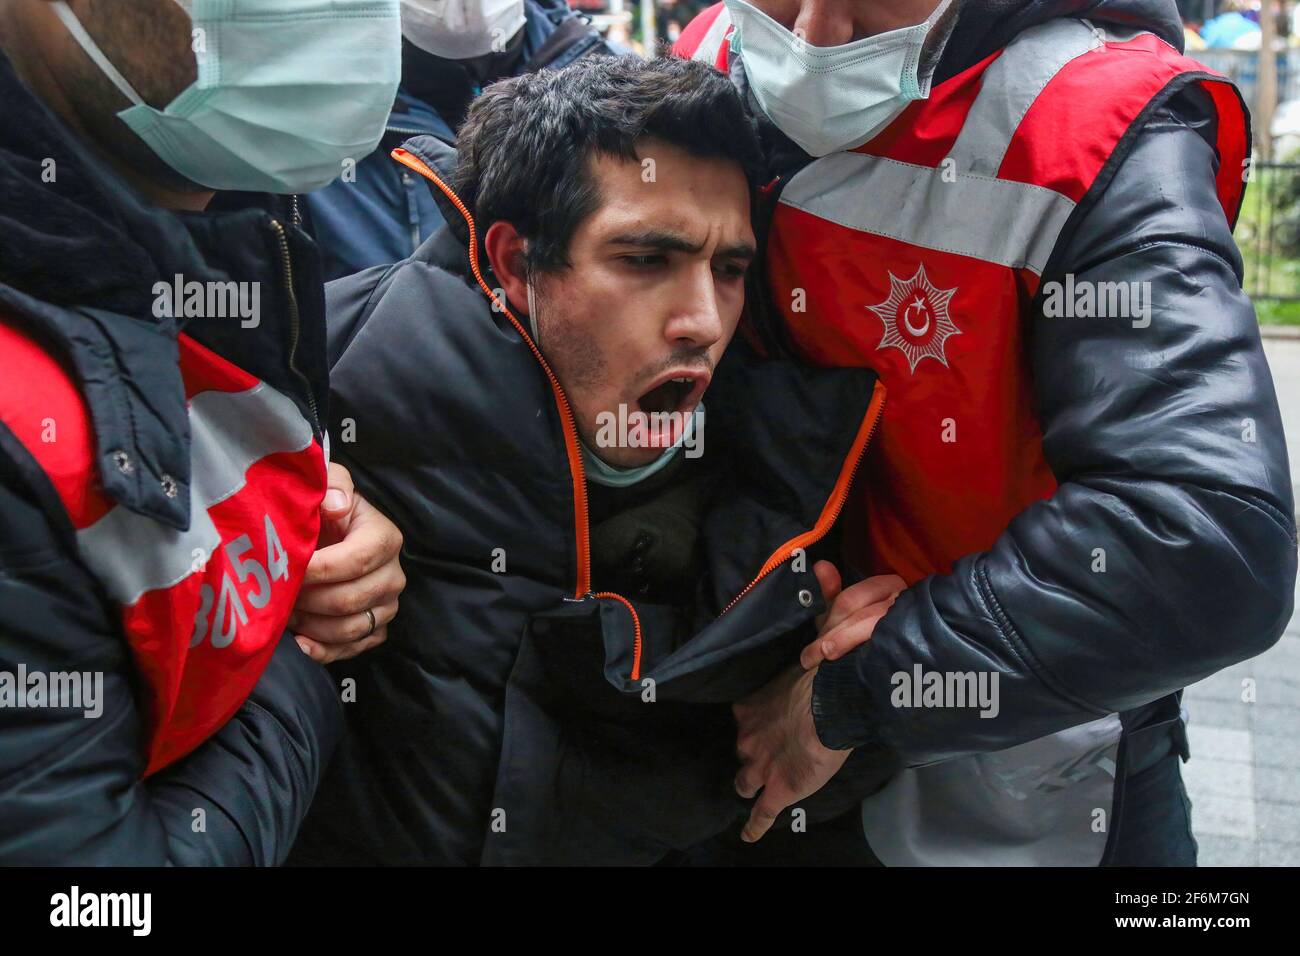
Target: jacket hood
{"points": [[985, 26], [440, 156], [80, 254]]}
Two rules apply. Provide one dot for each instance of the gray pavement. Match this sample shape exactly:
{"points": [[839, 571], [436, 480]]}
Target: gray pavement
{"points": [[1244, 775]]}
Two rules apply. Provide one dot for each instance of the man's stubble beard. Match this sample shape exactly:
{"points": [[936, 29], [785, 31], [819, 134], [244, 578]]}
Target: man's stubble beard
{"points": [[578, 361]]}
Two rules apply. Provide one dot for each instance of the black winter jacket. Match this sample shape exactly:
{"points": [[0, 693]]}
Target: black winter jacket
{"points": [[79, 256], [501, 722]]}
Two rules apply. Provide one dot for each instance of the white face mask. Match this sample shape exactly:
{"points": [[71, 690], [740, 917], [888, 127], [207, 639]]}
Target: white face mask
{"points": [[461, 29], [828, 99]]}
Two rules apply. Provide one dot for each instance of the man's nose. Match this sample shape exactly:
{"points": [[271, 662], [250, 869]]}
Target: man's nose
{"points": [[696, 321], [822, 23]]}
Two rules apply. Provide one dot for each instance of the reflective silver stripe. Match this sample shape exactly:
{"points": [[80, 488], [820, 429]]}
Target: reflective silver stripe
{"points": [[1048, 802], [1009, 87], [229, 432], [1009, 223], [1117, 33], [713, 38]]}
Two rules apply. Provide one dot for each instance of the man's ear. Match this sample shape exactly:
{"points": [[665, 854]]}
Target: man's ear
{"points": [[505, 251]]}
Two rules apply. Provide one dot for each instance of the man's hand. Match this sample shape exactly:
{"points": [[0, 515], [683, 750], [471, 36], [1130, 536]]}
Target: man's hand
{"points": [[355, 569], [777, 740], [853, 613], [778, 745]]}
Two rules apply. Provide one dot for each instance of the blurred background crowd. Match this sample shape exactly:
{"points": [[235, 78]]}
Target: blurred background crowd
{"points": [[630, 22]]}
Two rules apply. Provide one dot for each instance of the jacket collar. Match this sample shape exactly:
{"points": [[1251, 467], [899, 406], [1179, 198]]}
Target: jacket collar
{"points": [[441, 158]]}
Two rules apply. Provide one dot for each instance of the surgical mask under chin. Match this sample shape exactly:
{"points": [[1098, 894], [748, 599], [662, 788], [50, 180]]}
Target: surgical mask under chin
{"points": [[611, 476], [828, 99], [461, 29], [285, 92], [532, 313]]}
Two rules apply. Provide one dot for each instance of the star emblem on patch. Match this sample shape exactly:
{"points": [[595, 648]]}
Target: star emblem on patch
{"points": [[916, 318]]}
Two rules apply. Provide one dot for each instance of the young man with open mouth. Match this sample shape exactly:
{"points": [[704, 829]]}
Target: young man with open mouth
{"points": [[585, 600]]}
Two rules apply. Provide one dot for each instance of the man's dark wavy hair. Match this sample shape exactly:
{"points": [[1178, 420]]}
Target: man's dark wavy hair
{"points": [[524, 150]]}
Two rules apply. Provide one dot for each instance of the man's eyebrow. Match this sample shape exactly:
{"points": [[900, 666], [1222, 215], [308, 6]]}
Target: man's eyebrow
{"points": [[738, 250], [674, 242], [656, 239]]}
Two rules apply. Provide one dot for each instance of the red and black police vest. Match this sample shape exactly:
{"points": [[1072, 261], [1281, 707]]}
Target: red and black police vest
{"points": [[202, 609], [918, 254]]}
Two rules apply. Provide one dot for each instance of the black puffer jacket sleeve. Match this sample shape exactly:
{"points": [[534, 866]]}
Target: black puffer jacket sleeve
{"points": [[70, 787], [1167, 445]]}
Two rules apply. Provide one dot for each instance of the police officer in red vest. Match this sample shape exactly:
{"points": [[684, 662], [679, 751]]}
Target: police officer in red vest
{"points": [[170, 563], [1019, 213]]}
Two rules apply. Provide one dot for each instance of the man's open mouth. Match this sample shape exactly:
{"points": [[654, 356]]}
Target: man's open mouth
{"points": [[678, 392], [671, 400]]}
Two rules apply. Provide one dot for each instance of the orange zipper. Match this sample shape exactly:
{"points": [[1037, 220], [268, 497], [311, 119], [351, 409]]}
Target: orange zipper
{"points": [[636, 624], [576, 470], [834, 504], [825, 521]]}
